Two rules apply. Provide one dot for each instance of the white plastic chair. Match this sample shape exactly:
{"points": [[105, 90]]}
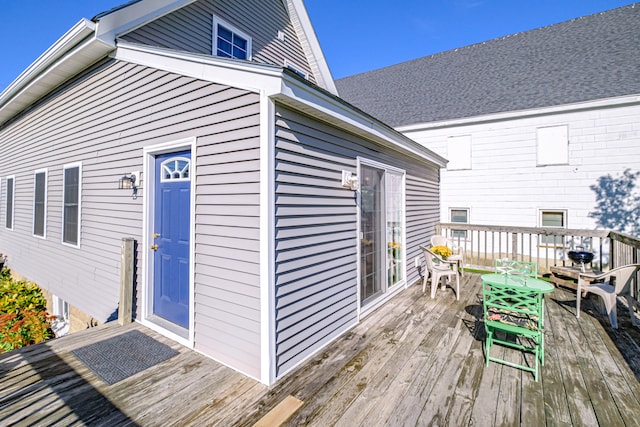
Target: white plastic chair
{"points": [[618, 284], [458, 252], [438, 269]]}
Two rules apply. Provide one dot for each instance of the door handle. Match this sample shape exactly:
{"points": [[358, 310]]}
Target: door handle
{"points": [[156, 235], [153, 247]]}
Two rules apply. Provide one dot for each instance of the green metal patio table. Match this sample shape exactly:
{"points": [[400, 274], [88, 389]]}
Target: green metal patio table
{"points": [[534, 284], [514, 304]]}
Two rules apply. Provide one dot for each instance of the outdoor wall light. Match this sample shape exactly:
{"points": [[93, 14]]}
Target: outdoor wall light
{"points": [[131, 181], [349, 180]]}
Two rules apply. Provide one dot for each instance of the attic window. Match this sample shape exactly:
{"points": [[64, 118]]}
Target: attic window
{"points": [[229, 42]]}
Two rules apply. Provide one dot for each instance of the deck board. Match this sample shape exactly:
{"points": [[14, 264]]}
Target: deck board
{"points": [[412, 361]]}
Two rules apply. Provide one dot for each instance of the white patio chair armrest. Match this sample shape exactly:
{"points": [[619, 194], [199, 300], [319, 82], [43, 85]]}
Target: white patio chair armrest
{"points": [[593, 277]]}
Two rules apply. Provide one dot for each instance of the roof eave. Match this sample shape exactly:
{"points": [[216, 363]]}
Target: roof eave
{"points": [[325, 106], [132, 15], [281, 86], [612, 102], [311, 45], [74, 51]]}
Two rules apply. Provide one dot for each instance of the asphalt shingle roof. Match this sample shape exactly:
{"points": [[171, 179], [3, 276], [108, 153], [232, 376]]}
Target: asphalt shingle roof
{"points": [[588, 58]]}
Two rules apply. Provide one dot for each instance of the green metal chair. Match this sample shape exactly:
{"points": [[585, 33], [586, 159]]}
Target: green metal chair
{"points": [[505, 265], [519, 312]]}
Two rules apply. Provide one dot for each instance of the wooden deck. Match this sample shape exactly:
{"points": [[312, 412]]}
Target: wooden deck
{"points": [[415, 361]]}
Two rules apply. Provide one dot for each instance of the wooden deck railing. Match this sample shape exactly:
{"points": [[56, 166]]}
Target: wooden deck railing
{"points": [[483, 244]]}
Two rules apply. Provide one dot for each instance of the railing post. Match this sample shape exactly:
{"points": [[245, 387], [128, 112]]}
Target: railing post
{"points": [[514, 246], [127, 258]]}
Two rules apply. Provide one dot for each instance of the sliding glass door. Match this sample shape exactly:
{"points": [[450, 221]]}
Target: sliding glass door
{"points": [[382, 230]]}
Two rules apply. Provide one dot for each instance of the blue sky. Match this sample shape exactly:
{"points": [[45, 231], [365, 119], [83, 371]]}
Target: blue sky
{"points": [[355, 35]]}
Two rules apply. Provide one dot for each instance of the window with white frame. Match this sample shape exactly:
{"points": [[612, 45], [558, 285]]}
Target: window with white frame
{"points": [[40, 203], [71, 204], [459, 152], [229, 41], [552, 218], [553, 145], [9, 205], [60, 308], [298, 70], [459, 216], [60, 311]]}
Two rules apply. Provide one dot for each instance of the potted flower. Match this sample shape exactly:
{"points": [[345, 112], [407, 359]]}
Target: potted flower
{"points": [[443, 251], [394, 249]]}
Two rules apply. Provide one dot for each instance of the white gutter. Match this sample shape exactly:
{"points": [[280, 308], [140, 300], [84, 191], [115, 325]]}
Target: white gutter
{"points": [[333, 109], [74, 51], [618, 101]]}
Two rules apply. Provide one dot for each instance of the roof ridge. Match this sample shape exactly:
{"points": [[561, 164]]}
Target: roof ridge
{"points": [[496, 39]]}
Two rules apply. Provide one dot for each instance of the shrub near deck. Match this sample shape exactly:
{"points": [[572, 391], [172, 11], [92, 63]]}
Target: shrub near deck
{"points": [[23, 316]]}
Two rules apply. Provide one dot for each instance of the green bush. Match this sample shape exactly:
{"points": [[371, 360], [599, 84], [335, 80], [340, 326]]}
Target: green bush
{"points": [[23, 313]]}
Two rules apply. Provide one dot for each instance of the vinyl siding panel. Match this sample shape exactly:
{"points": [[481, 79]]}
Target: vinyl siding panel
{"points": [[191, 29], [316, 239], [104, 119]]}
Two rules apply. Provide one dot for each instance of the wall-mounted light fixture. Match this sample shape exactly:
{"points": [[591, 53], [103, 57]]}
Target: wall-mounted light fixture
{"points": [[131, 181], [349, 180]]}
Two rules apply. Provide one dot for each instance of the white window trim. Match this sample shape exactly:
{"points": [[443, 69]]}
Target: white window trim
{"points": [[564, 212], [146, 278], [565, 218], [188, 178], [13, 202], [468, 210], [235, 30], [296, 69], [46, 188], [64, 168], [60, 307], [391, 290]]}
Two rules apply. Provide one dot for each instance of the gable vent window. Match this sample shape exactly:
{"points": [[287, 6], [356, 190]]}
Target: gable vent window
{"points": [[298, 70], [230, 42]]}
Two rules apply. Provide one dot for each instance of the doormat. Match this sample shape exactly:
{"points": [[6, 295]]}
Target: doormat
{"points": [[119, 357]]}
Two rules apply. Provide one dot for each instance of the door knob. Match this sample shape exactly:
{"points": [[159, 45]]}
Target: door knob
{"points": [[154, 247], [156, 235]]}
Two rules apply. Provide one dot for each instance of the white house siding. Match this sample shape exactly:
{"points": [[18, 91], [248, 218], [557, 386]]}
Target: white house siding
{"points": [[316, 230], [504, 185], [191, 29], [104, 119]]}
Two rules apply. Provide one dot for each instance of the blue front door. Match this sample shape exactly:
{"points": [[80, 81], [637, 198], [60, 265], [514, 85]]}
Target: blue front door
{"points": [[171, 234]]}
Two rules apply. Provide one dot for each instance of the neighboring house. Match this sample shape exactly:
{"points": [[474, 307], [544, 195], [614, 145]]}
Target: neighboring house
{"points": [[255, 244], [531, 123]]}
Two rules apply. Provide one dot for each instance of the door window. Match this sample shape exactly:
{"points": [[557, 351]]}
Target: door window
{"points": [[382, 231]]}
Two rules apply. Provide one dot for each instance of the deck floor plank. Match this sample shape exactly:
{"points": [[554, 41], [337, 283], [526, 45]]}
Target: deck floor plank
{"points": [[412, 361], [578, 400], [554, 392]]}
